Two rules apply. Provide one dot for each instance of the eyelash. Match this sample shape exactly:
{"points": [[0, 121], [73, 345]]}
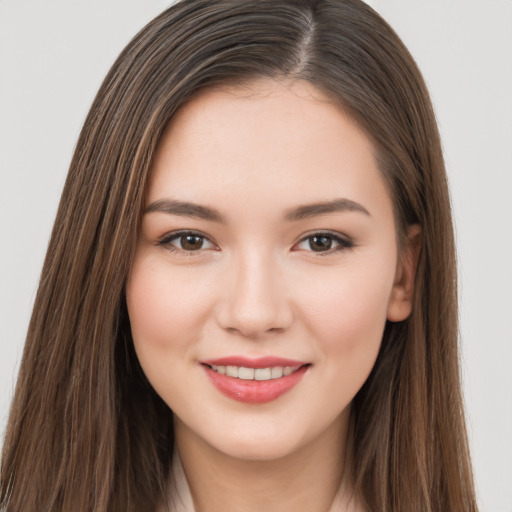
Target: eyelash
{"points": [[344, 243], [166, 240]]}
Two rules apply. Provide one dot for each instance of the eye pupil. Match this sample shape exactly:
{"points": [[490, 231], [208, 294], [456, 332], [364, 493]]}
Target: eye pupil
{"points": [[191, 242], [320, 243]]}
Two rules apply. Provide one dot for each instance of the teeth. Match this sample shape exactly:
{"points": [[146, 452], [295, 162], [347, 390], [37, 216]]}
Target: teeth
{"points": [[240, 372], [246, 373], [276, 372], [232, 371], [263, 374]]}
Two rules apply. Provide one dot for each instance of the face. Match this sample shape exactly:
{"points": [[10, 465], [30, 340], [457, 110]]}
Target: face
{"points": [[266, 268]]}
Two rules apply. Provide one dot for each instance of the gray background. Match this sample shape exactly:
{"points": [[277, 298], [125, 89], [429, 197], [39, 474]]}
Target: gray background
{"points": [[53, 56]]}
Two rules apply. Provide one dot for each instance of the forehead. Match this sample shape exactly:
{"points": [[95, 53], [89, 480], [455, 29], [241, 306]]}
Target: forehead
{"points": [[267, 138]]}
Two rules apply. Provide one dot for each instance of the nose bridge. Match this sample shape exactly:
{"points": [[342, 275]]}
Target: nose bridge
{"points": [[256, 296]]}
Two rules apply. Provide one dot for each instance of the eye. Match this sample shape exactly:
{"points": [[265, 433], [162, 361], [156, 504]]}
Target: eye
{"points": [[325, 243], [186, 242]]}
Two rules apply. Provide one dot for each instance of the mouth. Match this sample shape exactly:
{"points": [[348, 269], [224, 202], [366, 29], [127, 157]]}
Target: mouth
{"points": [[243, 373], [255, 381]]}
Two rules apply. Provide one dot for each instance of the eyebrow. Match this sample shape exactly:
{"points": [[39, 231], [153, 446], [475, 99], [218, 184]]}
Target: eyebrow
{"points": [[324, 208], [188, 209]]}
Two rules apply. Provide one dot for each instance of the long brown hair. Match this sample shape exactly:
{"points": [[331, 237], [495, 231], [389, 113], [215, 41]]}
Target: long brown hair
{"points": [[86, 431]]}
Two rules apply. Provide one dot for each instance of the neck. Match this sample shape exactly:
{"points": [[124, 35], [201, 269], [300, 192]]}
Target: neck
{"points": [[310, 478]]}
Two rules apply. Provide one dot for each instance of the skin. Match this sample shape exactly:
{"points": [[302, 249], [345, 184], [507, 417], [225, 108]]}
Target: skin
{"points": [[258, 286]]}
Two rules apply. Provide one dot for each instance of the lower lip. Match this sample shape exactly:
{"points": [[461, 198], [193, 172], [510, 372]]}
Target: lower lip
{"points": [[254, 391]]}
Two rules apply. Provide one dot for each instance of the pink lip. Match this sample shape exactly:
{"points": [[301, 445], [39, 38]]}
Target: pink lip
{"points": [[259, 362], [254, 391]]}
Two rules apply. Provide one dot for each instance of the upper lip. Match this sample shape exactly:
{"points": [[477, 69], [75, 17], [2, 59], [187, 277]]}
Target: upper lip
{"points": [[258, 362]]}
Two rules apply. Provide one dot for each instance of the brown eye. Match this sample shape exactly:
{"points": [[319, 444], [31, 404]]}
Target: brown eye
{"points": [[325, 243], [191, 242], [320, 243], [185, 241]]}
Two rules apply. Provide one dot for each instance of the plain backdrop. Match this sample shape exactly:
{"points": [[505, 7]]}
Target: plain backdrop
{"points": [[53, 56]]}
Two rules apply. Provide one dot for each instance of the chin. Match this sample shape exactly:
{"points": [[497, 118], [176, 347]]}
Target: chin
{"points": [[257, 453], [257, 447]]}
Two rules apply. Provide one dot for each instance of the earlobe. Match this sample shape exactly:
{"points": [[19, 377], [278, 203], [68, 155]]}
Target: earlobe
{"points": [[402, 294]]}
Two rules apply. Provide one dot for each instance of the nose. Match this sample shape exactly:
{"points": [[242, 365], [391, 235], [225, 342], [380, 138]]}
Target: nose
{"points": [[256, 297]]}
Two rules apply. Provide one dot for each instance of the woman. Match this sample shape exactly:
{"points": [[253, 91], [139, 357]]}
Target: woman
{"points": [[249, 297]]}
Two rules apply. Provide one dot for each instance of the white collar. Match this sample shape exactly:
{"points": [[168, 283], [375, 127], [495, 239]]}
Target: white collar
{"points": [[181, 500]]}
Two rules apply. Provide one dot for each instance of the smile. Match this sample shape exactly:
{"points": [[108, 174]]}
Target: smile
{"points": [[241, 372], [254, 381]]}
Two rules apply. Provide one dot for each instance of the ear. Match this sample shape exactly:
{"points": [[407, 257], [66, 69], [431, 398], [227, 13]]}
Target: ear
{"points": [[402, 294]]}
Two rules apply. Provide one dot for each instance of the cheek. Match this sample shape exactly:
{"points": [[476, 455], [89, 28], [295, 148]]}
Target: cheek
{"points": [[347, 315], [160, 304]]}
